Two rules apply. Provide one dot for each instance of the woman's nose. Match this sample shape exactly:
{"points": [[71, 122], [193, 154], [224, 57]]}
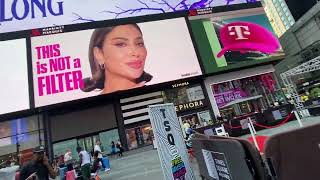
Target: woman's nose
{"points": [[133, 51]]}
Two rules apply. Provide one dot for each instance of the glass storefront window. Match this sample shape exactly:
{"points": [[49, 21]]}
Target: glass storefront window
{"points": [[183, 95], [245, 108], [87, 143], [205, 118], [5, 130], [248, 95], [106, 138], [196, 120], [139, 136], [191, 119], [147, 134], [131, 139], [61, 148], [18, 138], [29, 140], [176, 96], [195, 93], [82, 144], [190, 98]]}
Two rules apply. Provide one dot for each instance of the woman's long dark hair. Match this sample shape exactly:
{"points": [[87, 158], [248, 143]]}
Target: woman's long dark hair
{"points": [[98, 73]]}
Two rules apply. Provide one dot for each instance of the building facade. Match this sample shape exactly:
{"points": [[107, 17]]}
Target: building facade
{"points": [[279, 15], [298, 9], [301, 42], [197, 72]]}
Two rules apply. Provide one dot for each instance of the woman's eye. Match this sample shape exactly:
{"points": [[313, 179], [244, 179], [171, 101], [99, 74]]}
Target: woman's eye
{"points": [[120, 44], [141, 44]]}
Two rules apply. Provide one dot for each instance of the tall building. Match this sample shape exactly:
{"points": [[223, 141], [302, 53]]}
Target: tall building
{"points": [[301, 43], [298, 8], [279, 15]]}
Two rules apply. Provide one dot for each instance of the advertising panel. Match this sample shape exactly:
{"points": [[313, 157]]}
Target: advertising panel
{"points": [[79, 64], [18, 15], [237, 98], [226, 97], [14, 94], [232, 40], [170, 142]]}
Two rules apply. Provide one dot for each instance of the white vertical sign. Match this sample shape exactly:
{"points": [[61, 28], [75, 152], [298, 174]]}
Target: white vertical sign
{"points": [[211, 166], [171, 146]]}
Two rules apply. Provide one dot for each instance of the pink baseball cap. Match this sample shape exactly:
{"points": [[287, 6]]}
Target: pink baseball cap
{"points": [[245, 36]]}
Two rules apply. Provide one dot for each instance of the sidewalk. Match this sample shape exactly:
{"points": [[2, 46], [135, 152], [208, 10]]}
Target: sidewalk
{"points": [[144, 163], [140, 164]]}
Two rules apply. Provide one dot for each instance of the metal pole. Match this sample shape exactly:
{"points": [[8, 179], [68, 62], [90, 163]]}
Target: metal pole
{"points": [[251, 123], [298, 118], [253, 136]]}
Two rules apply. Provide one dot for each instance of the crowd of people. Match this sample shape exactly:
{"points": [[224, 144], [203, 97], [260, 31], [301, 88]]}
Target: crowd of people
{"points": [[87, 167]]}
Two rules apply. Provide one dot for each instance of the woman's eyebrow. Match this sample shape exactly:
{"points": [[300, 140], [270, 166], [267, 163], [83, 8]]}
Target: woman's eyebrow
{"points": [[140, 37], [125, 39], [120, 38]]}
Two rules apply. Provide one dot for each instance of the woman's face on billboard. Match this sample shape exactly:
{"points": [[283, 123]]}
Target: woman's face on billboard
{"points": [[123, 53]]}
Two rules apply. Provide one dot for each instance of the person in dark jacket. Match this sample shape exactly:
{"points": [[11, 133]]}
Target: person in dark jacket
{"points": [[39, 167]]}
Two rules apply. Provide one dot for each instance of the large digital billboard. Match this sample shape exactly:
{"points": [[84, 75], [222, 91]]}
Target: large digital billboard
{"points": [[30, 14], [79, 64], [235, 39], [14, 93]]}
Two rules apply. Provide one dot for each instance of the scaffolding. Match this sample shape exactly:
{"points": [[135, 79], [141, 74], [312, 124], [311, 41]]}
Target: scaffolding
{"points": [[309, 66]]}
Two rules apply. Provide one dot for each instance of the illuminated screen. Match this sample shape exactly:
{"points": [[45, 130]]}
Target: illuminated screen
{"points": [[235, 39], [14, 93], [80, 64], [30, 14]]}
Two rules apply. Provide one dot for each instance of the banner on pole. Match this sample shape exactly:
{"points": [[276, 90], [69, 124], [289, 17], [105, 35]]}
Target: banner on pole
{"points": [[171, 147]]}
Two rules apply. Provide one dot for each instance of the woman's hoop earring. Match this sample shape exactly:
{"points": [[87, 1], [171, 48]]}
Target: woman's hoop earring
{"points": [[102, 66]]}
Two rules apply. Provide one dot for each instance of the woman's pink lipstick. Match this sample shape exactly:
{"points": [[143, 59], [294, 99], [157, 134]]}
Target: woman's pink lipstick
{"points": [[135, 64]]}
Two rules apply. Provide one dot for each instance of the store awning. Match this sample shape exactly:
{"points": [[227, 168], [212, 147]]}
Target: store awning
{"points": [[241, 100]]}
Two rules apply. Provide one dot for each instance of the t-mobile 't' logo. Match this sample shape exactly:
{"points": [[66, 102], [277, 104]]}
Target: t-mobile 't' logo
{"points": [[239, 32]]}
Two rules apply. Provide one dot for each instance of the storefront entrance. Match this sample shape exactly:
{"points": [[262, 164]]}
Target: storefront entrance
{"points": [[88, 143], [139, 136], [258, 97], [197, 119]]}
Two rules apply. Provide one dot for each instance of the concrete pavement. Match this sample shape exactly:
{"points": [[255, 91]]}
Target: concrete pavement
{"points": [[144, 163], [140, 164]]}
